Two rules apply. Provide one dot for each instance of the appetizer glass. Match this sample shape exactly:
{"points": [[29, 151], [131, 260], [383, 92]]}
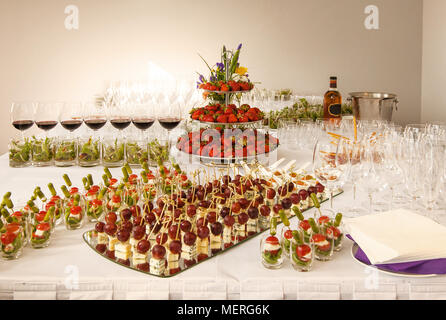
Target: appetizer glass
{"points": [[65, 152], [42, 152], [301, 254], [89, 152], [272, 252], [41, 235], [285, 240], [19, 153], [323, 244], [74, 212], [94, 206], [136, 152], [113, 152], [12, 241]]}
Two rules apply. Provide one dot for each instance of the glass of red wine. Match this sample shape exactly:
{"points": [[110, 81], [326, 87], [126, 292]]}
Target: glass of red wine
{"points": [[119, 116], [71, 118], [22, 118], [143, 117], [169, 117], [89, 148], [46, 118]]}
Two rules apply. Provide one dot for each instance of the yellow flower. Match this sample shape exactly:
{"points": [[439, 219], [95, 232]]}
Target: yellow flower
{"points": [[241, 70]]}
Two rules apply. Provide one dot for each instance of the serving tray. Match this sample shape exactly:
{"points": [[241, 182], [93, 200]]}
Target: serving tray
{"points": [[91, 236]]}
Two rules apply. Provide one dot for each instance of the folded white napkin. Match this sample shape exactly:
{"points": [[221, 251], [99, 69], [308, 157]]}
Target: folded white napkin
{"points": [[398, 236]]}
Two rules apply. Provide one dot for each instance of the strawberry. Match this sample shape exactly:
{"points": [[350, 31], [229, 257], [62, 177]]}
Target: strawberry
{"points": [[224, 87], [208, 118], [243, 118], [232, 118], [245, 107], [252, 116], [196, 115], [222, 118]]}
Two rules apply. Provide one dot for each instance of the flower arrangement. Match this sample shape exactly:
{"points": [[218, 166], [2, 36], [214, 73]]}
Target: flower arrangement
{"points": [[225, 76]]}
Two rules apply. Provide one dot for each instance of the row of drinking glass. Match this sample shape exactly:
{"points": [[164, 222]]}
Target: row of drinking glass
{"points": [[407, 164], [86, 151]]}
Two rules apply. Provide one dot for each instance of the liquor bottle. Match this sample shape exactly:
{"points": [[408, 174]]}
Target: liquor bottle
{"points": [[332, 101]]}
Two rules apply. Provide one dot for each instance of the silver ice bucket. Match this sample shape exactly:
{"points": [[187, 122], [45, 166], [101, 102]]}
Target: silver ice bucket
{"points": [[373, 105]]}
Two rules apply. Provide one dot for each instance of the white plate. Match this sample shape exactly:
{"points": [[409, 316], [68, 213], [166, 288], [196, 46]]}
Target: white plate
{"points": [[355, 248]]}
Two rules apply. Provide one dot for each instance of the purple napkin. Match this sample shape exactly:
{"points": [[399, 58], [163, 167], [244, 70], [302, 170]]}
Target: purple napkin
{"points": [[434, 266]]}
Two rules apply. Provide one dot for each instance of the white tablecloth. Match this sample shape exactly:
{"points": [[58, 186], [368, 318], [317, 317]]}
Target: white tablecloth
{"points": [[69, 269]]}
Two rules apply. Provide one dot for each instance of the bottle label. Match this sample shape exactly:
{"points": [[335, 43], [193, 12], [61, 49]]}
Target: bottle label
{"points": [[334, 109]]}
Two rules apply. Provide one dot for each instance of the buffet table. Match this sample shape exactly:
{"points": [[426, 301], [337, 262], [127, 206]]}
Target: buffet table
{"points": [[69, 269]]}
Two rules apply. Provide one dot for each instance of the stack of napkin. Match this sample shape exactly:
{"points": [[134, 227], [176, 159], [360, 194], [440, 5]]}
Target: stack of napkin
{"points": [[398, 236]]}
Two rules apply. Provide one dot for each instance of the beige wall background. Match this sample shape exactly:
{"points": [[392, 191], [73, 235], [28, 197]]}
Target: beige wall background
{"points": [[434, 61], [287, 43]]}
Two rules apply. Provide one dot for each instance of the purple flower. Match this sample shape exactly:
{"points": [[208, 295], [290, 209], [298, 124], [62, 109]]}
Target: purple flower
{"points": [[201, 78], [220, 66], [239, 46], [212, 79]]}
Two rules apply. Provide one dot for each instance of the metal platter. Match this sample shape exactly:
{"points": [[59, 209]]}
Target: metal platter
{"points": [[91, 236]]}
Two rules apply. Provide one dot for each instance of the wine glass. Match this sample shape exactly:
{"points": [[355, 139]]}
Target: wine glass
{"points": [[373, 171], [47, 115], [143, 116], [71, 116], [169, 116], [119, 116], [328, 165], [355, 150], [89, 148], [22, 116], [46, 119], [95, 116]]}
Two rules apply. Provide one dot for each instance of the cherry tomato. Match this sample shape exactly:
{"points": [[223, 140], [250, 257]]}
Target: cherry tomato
{"points": [[7, 238], [116, 198], [302, 250], [323, 220], [40, 216], [304, 225], [74, 190], [272, 240], [45, 226], [288, 234], [75, 210], [12, 227]]}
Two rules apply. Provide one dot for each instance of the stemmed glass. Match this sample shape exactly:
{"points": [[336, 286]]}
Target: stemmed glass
{"points": [[355, 150], [330, 162], [71, 118], [143, 117], [119, 117], [46, 118], [22, 118], [373, 173], [89, 149], [169, 116]]}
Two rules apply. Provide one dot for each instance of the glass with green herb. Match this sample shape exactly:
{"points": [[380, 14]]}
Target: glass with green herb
{"points": [[19, 153], [136, 151], [158, 151], [113, 152], [42, 150], [65, 152], [89, 152]]}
